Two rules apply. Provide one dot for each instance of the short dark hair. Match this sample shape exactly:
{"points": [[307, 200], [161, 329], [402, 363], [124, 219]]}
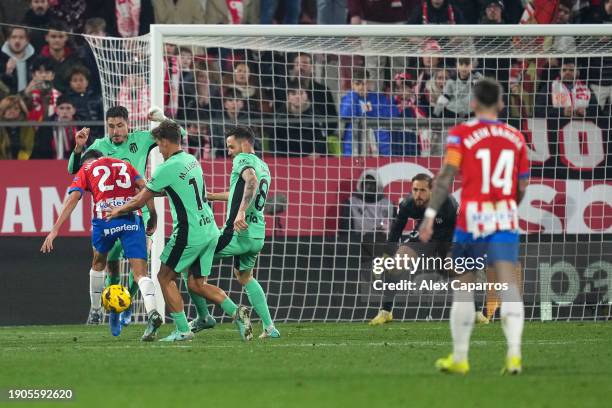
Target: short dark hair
{"points": [[63, 99], [424, 177], [359, 74], [41, 62], [487, 92], [91, 154], [569, 61], [13, 28], [231, 93], [169, 130], [294, 86], [78, 69], [464, 61], [118, 112], [57, 25], [242, 133]]}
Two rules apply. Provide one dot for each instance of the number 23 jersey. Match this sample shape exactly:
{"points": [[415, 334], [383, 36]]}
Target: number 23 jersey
{"points": [[112, 183], [492, 157]]}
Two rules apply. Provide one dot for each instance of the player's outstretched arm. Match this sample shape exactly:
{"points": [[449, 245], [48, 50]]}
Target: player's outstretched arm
{"points": [[80, 142], [440, 192], [250, 188], [218, 196], [70, 203], [134, 204]]}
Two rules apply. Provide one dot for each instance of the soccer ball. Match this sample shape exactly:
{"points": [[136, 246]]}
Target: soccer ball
{"points": [[116, 298]]}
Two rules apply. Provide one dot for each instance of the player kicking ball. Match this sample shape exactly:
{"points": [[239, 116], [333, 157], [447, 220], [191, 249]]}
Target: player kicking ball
{"points": [[113, 182], [194, 232], [492, 158], [245, 228]]}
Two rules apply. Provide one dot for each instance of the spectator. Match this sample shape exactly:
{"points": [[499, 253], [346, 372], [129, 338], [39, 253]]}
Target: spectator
{"points": [[15, 59], [434, 88], [566, 97], [179, 12], [57, 142], [95, 27], [405, 101], [232, 12], [380, 68], [171, 80], [40, 94], [301, 136], [565, 43], [40, 16], [16, 142], [470, 10], [455, 98], [602, 14], [187, 91], [61, 55], [71, 13], [600, 68], [133, 18], [318, 94], [436, 12], [207, 100], [245, 85], [331, 11], [198, 140], [427, 65], [493, 12], [269, 8], [355, 107], [135, 95], [87, 103], [523, 84], [233, 113], [368, 210]]}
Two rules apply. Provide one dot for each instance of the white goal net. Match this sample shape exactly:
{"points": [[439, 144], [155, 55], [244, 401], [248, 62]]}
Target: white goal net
{"points": [[337, 107]]}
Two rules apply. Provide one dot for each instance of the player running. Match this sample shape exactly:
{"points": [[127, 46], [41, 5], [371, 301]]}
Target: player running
{"points": [[413, 206], [132, 147], [113, 182], [492, 158], [244, 232], [194, 235]]}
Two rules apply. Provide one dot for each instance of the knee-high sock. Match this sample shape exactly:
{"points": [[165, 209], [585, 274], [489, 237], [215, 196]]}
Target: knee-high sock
{"points": [[132, 285], [147, 290], [462, 316], [96, 285], [200, 304], [513, 319], [229, 307], [257, 298], [180, 320]]}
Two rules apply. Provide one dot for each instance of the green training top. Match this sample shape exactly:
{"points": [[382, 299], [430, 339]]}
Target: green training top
{"points": [[254, 214], [182, 179]]}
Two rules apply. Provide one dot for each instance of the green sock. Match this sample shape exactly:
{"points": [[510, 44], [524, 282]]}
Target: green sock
{"points": [[111, 280], [257, 297], [229, 307], [180, 320], [132, 286], [200, 304]]}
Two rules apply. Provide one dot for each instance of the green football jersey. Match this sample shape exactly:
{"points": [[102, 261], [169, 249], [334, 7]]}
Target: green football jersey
{"points": [[134, 150], [182, 179], [254, 214]]}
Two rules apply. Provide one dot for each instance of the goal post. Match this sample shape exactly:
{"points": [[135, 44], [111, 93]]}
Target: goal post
{"points": [[310, 270]]}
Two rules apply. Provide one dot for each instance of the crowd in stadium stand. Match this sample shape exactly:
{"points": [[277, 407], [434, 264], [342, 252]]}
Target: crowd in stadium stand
{"points": [[51, 75]]}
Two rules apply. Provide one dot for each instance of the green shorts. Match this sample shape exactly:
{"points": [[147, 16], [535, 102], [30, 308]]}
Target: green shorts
{"points": [[244, 250], [179, 258], [116, 252]]}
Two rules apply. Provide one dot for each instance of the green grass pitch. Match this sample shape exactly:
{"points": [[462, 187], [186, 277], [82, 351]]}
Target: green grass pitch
{"points": [[566, 364]]}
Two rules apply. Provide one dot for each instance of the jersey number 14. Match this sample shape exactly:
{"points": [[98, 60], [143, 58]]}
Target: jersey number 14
{"points": [[502, 174]]}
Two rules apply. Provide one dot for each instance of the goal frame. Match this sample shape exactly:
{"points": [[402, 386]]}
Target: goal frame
{"points": [[159, 31]]}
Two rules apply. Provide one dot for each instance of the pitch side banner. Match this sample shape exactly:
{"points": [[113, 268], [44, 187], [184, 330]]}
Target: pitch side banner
{"points": [[31, 194]]}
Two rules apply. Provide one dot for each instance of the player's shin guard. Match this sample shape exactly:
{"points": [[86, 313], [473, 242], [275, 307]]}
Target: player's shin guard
{"points": [[513, 318], [147, 290], [461, 323], [96, 285], [200, 304], [257, 298]]}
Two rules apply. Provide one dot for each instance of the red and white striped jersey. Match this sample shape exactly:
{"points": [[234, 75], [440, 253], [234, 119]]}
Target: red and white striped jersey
{"points": [[492, 157], [112, 183]]}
